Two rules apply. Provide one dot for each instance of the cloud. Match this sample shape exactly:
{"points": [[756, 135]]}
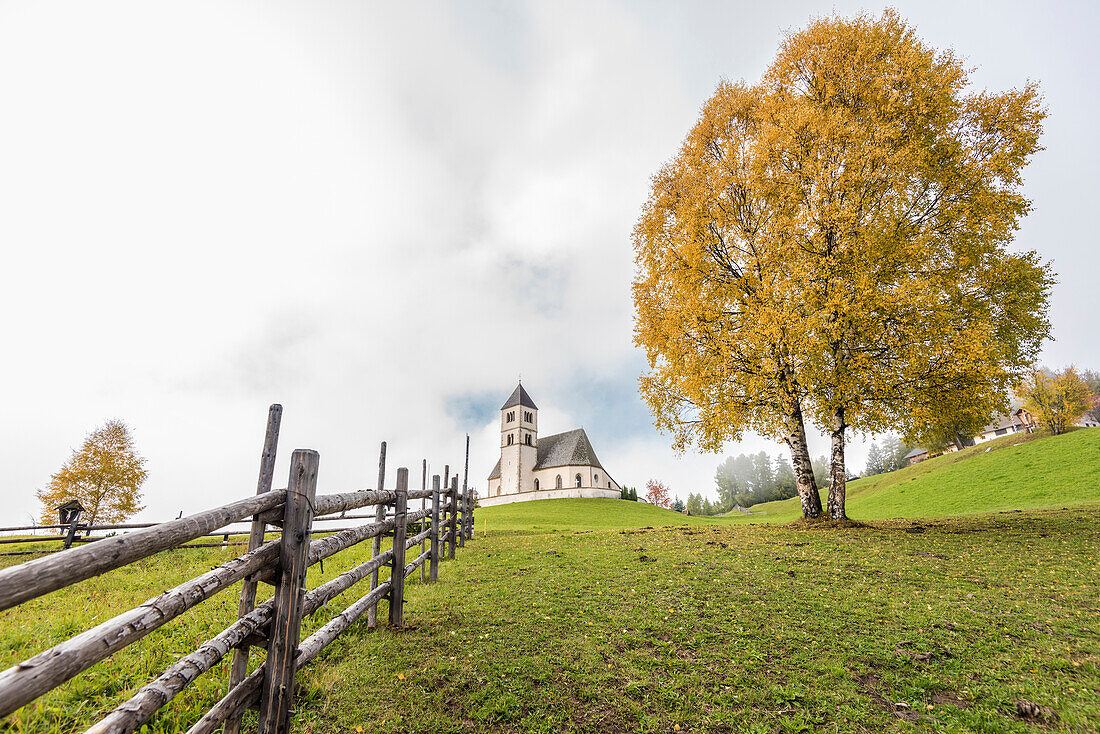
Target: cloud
{"points": [[377, 215]]}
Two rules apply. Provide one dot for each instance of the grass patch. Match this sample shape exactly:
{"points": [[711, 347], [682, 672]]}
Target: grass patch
{"points": [[730, 628], [555, 516], [612, 616]]}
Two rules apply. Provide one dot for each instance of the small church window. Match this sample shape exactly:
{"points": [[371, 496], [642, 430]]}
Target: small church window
{"points": [[528, 416], [609, 485], [510, 438], [558, 483], [527, 439], [578, 480], [595, 478], [536, 485]]}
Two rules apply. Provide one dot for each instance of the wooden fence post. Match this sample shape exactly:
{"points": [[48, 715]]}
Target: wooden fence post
{"points": [[376, 546], [461, 520], [239, 668], [446, 481], [277, 698], [467, 506], [423, 543], [473, 501], [433, 563], [453, 521], [397, 566]]}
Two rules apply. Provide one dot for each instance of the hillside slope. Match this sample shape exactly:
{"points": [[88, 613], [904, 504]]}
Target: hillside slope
{"points": [[1011, 473], [548, 516]]}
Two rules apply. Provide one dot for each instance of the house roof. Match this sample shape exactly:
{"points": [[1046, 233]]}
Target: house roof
{"points": [[916, 452], [519, 397], [71, 504], [571, 448], [1004, 421]]}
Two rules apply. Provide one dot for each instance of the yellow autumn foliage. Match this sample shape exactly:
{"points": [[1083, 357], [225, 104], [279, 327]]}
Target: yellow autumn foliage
{"points": [[105, 475], [1057, 399], [835, 238]]}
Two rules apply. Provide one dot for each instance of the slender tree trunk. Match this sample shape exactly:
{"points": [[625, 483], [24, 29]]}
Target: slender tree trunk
{"points": [[803, 467], [837, 472]]}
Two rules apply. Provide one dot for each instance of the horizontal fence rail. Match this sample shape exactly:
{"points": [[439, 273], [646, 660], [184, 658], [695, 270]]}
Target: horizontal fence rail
{"points": [[444, 519]]}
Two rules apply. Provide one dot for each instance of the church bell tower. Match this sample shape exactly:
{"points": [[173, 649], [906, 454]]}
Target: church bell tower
{"points": [[519, 421]]}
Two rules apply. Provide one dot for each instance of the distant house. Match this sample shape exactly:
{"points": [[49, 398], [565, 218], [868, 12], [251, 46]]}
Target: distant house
{"points": [[919, 454], [1091, 417], [1019, 419], [916, 456]]}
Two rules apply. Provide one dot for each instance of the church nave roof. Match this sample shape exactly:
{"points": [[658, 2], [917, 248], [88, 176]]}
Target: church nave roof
{"points": [[571, 448]]}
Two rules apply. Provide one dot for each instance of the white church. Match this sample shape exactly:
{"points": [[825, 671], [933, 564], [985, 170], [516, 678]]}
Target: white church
{"points": [[552, 467]]}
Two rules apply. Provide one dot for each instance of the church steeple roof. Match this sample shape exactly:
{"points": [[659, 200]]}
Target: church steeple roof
{"points": [[519, 397]]}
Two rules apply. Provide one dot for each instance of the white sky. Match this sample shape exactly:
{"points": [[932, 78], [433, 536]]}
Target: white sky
{"points": [[378, 214]]}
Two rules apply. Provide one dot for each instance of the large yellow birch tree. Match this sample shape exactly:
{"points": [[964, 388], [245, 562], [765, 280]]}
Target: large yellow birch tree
{"points": [[832, 244]]}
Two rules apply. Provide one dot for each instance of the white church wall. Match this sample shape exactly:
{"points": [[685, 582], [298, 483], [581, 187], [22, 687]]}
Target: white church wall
{"points": [[551, 494]]}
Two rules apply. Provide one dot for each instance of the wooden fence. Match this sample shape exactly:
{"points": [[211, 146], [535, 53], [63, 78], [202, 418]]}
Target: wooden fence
{"points": [[274, 625]]}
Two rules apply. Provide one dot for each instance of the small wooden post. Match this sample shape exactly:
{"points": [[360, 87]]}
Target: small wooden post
{"points": [[467, 505], [376, 546], [277, 698], [423, 543], [461, 520], [446, 507], [239, 669], [397, 566], [453, 522], [71, 535], [433, 562]]}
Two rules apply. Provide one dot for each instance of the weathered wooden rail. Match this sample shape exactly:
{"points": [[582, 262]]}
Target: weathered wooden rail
{"points": [[275, 625]]}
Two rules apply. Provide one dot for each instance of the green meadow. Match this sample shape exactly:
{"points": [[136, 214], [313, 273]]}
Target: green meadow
{"points": [[1020, 472], [927, 614]]}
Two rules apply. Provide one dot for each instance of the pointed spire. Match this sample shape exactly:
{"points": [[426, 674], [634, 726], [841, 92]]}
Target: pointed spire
{"points": [[519, 397]]}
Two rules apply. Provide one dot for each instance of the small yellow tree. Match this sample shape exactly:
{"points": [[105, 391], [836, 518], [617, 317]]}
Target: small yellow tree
{"points": [[1056, 399], [105, 476]]}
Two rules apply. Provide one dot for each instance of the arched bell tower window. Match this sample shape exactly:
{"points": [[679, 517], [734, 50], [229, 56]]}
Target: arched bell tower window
{"points": [[527, 439], [510, 439], [558, 483], [578, 478], [536, 485]]}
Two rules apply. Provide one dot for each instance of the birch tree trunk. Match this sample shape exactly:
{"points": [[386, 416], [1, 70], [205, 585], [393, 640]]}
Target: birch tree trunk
{"points": [[803, 467], [837, 472]]}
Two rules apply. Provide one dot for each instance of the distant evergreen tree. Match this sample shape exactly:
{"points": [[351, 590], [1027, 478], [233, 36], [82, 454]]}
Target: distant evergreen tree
{"points": [[784, 479], [875, 464], [623, 494], [1092, 379], [708, 508], [678, 505], [750, 479], [633, 494], [695, 504], [893, 454], [821, 471]]}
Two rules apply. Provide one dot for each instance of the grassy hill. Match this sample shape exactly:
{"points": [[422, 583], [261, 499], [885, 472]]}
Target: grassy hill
{"points": [[1011, 473], [612, 616], [550, 516]]}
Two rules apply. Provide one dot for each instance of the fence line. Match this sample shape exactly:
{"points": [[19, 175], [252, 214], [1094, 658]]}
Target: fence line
{"points": [[275, 624]]}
